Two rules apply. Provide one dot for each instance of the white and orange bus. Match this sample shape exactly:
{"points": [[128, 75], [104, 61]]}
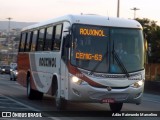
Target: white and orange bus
{"points": [[83, 58]]}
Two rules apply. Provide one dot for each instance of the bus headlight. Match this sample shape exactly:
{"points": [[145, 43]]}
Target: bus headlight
{"points": [[77, 80], [138, 84]]}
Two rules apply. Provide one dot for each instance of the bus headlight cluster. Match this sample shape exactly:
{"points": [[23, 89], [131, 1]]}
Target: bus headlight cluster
{"points": [[77, 80], [138, 84]]}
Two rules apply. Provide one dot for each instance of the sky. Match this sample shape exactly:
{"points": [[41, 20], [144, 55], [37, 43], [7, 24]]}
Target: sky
{"points": [[40, 10]]}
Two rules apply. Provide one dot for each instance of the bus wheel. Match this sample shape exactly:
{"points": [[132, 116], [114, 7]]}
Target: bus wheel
{"points": [[116, 107], [60, 102], [33, 94]]}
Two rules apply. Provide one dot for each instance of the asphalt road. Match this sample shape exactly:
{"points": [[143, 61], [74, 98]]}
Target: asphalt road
{"points": [[13, 99]]}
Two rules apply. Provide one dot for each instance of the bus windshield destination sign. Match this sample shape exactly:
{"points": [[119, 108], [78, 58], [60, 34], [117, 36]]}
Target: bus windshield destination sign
{"points": [[92, 32], [88, 56]]}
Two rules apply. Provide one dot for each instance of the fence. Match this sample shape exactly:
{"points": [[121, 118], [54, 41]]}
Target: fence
{"points": [[152, 72]]}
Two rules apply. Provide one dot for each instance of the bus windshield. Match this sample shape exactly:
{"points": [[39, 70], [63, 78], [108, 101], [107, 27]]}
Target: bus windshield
{"points": [[93, 46], [128, 46]]}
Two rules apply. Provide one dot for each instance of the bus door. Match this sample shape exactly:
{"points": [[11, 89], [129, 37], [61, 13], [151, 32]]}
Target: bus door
{"points": [[64, 61]]}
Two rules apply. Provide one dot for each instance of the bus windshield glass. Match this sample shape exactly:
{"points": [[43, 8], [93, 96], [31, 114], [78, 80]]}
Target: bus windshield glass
{"points": [[89, 48], [92, 49], [128, 46]]}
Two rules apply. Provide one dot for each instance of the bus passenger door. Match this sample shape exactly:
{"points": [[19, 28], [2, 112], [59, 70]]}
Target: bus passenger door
{"points": [[64, 62], [64, 72]]}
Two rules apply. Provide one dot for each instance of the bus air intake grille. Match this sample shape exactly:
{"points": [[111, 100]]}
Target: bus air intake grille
{"points": [[102, 95], [111, 87]]}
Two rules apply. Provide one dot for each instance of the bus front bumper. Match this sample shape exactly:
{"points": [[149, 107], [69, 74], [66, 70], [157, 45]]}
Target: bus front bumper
{"points": [[87, 93]]}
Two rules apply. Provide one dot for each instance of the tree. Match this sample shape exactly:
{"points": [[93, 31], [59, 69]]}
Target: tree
{"points": [[152, 32]]}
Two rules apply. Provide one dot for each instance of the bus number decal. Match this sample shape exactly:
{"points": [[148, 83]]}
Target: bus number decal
{"points": [[47, 62]]}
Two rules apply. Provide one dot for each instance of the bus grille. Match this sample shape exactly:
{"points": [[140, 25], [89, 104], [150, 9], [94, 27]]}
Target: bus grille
{"points": [[116, 96]]}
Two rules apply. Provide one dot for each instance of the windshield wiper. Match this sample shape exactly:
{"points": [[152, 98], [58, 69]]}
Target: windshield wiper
{"points": [[118, 60]]}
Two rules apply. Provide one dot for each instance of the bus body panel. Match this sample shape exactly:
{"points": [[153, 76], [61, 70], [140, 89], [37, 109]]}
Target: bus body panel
{"points": [[87, 93], [23, 67], [91, 20], [97, 87], [43, 66]]}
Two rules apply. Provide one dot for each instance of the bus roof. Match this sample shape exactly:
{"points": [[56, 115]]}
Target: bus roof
{"points": [[91, 20]]}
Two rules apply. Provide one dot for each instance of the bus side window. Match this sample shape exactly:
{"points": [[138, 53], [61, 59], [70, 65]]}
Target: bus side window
{"points": [[22, 45], [48, 40], [34, 40], [57, 38], [28, 42], [40, 42]]}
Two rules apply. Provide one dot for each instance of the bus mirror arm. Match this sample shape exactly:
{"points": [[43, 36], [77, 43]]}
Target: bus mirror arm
{"points": [[67, 41]]}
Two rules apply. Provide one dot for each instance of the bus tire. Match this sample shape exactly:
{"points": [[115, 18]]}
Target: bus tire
{"points": [[115, 107], [33, 94], [60, 102]]}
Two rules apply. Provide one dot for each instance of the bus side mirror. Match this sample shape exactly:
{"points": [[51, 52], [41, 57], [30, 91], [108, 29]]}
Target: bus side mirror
{"points": [[67, 41], [146, 45]]}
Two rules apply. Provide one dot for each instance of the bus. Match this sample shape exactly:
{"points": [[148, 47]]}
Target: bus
{"points": [[79, 58]]}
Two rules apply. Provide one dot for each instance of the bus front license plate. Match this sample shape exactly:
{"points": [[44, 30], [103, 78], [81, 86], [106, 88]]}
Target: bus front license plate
{"points": [[108, 100]]}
